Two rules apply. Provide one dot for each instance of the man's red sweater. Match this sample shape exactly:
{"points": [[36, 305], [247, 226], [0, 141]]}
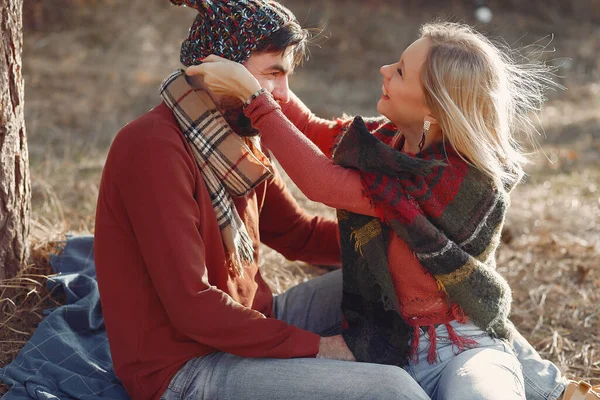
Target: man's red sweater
{"points": [[161, 266]]}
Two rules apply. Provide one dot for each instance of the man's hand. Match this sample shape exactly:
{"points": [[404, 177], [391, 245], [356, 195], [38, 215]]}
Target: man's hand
{"points": [[226, 78], [335, 348]]}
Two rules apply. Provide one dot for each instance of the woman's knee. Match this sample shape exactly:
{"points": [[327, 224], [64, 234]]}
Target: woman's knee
{"points": [[482, 374]]}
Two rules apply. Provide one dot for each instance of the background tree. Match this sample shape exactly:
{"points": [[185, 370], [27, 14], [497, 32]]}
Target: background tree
{"points": [[15, 191]]}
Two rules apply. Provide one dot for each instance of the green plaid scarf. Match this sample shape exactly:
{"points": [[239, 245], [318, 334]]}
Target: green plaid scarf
{"points": [[231, 165], [450, 215]]}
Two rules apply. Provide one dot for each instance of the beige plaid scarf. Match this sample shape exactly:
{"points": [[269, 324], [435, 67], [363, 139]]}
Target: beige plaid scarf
{"points": [[231, 165]]}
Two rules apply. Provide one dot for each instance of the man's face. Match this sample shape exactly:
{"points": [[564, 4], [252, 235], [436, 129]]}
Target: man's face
{"points": [[272, 71]]}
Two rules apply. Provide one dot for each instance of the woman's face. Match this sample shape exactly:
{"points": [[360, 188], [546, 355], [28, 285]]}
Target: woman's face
{"points": [[403, 99]]}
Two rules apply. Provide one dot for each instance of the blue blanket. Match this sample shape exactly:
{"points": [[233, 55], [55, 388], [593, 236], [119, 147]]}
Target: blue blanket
{"points": [[68, 355]]}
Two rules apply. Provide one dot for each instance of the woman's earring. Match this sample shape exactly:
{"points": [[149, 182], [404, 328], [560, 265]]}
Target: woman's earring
{"points": [[426, 126]]}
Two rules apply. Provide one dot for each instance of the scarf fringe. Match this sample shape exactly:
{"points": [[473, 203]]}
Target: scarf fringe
{"points": [[242, 256], [414, 345], [431, 355], [462, 343], [459, 343]]}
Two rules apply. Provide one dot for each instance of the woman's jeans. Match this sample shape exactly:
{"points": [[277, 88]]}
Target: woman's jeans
{"points": [[316, 306], [489, 371]]}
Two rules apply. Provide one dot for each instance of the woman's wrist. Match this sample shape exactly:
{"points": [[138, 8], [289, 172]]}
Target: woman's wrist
{"points": [[247, 91], [248, 88], [254, 96]]}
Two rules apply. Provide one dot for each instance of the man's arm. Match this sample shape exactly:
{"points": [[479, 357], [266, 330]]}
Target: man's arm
{"points": [[157, 185], [288, 229]]}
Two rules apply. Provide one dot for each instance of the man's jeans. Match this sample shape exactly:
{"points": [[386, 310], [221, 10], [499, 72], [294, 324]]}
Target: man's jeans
{"points": [[316, 306]]}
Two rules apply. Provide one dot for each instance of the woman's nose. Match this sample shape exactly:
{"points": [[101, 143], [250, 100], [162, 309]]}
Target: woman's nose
{"points": [[384, 70]]}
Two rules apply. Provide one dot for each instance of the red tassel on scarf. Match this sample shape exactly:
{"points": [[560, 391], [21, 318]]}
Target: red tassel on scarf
{"points": [[459, 314], [462, 343], [414, 346], [431, 356]]}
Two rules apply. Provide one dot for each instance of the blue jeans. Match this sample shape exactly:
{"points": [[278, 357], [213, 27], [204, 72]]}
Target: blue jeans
{"points": [[313, 306], [316, 307], [490, 371], [543, 379]]}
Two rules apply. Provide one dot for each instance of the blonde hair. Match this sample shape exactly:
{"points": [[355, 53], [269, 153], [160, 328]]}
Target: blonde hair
{"points": [[480, 96]]}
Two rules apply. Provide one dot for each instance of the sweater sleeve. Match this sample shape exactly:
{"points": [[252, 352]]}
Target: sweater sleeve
{"points": [[157, 187], [286, 228], [322, 132], [314, 173]]}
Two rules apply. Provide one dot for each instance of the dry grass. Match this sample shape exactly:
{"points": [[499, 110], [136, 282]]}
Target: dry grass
{"points": [[554, 274], [89, 70], [24, 298]]}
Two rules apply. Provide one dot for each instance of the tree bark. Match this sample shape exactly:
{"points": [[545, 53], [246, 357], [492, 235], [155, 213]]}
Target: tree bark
{"points": [[15, 189]]}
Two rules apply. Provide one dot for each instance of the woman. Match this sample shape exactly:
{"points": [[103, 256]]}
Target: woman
{"points": [[421, 197]]}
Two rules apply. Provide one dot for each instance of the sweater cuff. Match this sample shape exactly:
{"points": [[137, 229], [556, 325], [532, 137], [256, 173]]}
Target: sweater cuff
{"points": [[303, 343], [263, 104]]}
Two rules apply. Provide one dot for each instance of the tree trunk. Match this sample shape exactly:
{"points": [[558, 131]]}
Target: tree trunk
{"points": [[15, 190]]}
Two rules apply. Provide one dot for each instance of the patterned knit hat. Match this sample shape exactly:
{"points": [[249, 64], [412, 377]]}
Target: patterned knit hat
{"points": [[230, 29]]}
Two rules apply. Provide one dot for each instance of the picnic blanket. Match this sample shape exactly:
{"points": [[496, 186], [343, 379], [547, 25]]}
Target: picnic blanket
{"points": [[68, 355]]}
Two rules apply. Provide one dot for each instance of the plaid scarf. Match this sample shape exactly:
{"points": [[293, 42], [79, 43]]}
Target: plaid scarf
{"points": [[230, 165], [450, 215]]}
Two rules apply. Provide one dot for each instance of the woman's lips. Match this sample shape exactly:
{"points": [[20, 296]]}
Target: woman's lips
{"points": [[384, 96]]}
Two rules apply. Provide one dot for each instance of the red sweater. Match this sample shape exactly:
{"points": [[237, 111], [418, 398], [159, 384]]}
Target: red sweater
{"points": [[161, 265]]}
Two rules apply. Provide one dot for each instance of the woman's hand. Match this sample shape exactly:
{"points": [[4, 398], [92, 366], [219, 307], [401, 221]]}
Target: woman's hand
{"points": [[226, 78]]}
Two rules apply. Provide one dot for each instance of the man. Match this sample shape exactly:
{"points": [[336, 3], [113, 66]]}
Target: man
{"points": [[177, 233], [200, 321]]}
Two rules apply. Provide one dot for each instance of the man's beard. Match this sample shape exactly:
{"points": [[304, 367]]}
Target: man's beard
{"points": [[233, 112]]}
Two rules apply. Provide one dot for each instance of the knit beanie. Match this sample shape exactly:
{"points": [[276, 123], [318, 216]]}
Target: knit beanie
{"points": [[230, 29]]}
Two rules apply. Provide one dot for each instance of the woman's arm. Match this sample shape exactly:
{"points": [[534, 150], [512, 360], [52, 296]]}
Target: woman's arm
{"points": [[322, 132], [315, 174], [286, 228]]}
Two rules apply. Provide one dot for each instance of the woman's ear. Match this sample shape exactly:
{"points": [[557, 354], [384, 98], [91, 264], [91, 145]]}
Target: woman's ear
{"points": [[431, 119]]}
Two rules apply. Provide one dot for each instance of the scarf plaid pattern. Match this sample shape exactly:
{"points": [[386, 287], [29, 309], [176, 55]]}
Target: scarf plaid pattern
{"points": [[450, 215], [231, 165]]}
